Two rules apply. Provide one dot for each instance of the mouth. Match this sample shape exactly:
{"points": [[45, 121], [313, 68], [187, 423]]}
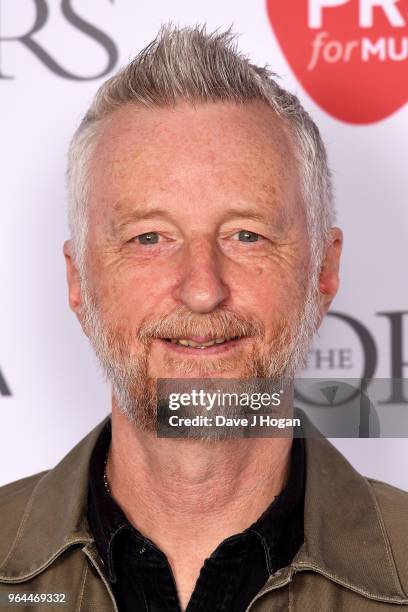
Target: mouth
{"points": [[200, 345]]}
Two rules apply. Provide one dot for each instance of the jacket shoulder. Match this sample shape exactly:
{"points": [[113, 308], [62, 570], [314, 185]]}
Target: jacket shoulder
{"points": [[391, 500], [393, 509], [19, 489], [14, 500]]}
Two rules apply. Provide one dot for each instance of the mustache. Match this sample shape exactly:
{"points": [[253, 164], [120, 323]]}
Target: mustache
{"points": [[182, 323]]}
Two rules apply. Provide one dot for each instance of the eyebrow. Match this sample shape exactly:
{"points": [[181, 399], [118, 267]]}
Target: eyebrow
{"points": [[248, 213], [278, 217], [123, 219]]}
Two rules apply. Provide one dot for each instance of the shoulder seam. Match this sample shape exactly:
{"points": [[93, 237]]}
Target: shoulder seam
{"points": [[374, 481], [82, 589], [24, 481]]}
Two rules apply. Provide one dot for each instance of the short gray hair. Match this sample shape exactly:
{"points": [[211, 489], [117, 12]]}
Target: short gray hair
{"points": [[191, 65]]}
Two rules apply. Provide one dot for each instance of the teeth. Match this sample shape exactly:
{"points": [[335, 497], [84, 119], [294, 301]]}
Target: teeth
{"points": [[193, 344]]}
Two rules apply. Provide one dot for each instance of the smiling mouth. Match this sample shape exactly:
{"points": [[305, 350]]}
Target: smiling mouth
{"points": [[201, 343]]}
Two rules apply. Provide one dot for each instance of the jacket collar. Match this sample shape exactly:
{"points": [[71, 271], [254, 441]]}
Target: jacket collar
{"points": [[345, 538], [344, 535], [55, 515]]}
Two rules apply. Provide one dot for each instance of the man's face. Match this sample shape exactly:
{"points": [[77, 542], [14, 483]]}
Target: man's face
{"points": [[197, 234]]}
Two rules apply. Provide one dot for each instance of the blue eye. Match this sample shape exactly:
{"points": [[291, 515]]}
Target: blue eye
{"points": [[148, 238], [246, 236]]}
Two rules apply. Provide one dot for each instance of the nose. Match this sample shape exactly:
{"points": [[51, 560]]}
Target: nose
{"points": [[201, 287]]}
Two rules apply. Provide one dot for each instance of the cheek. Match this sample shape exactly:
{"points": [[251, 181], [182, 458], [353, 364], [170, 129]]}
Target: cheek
{"points": [[269, 291], [275, 301], [131, 295]]}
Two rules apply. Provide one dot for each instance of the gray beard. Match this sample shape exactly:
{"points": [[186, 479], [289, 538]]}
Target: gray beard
{"points": [[135, 392]]}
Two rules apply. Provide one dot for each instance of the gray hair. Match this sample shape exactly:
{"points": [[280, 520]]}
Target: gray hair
{"points": [[188, 64]]}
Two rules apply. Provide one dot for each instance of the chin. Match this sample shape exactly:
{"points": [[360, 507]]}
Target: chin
{"points": [[205, 369]]}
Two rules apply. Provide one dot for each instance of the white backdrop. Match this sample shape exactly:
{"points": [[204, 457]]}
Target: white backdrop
{"points": [[57, 391]]}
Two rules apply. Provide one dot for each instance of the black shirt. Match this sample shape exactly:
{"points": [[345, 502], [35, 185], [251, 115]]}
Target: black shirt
{"points": [[140, 575]]}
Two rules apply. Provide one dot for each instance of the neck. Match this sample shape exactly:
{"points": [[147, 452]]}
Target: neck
{"points": [[177, 492]]}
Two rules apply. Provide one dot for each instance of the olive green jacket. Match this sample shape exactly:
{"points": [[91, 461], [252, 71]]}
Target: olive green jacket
{"points": [[354, 558]]}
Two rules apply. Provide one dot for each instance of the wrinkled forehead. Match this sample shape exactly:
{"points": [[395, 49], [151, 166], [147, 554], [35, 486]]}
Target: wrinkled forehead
{"points": [[218, 153]]}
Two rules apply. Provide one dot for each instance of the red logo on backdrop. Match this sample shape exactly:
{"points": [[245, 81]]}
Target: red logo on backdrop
{"points": [[351, 56]]}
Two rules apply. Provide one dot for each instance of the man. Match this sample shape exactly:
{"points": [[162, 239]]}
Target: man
{"points": [[201, 246]]}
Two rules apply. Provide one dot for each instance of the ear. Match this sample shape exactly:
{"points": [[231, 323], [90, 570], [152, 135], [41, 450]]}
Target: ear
{"points": [[329, 272], [73, 279]]}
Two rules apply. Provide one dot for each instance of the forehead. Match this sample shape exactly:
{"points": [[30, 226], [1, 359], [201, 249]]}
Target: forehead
{"points": [[212, 152]]}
